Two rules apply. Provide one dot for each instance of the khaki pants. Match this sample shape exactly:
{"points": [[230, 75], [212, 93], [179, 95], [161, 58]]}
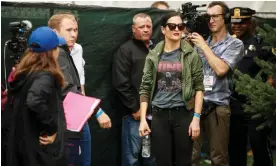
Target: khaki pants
{"points": [[216, 124]]}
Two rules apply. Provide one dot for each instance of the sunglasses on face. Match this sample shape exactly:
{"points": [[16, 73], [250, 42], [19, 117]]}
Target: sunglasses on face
{"points": [[172, 26]]}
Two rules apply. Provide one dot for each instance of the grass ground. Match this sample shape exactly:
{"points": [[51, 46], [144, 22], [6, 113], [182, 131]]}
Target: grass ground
{"points": [[249, 161]]}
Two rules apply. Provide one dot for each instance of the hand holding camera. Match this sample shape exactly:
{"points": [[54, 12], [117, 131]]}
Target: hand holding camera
{"points": [[198, 40]]}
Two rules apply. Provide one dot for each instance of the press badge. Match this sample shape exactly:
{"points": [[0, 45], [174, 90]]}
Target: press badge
{"points": [[208, 82]]}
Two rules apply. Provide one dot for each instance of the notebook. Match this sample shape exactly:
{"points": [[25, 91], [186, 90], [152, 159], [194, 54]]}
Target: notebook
{"points": [[78, 109]]}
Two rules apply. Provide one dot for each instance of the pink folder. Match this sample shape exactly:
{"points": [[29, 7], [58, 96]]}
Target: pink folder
{"points": [[78, 109]]}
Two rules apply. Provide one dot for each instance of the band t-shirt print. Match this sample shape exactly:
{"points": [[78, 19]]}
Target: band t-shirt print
{"points": [[169, 76], [168, 86]]}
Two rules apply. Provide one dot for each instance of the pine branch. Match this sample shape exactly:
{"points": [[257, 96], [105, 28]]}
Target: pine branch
{"points": [[261, 96], [267, 67], [269, 35]]}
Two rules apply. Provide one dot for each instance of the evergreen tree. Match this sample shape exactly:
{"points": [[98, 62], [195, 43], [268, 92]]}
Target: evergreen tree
{"points": [[260, 93]]}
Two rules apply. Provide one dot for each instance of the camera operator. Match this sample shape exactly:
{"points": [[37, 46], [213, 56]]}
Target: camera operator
{"points": [[220, 55], [242, 126]]}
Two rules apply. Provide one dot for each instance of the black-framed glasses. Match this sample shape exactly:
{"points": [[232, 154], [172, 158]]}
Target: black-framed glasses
{"points": [[172, 26], [213, 16]]}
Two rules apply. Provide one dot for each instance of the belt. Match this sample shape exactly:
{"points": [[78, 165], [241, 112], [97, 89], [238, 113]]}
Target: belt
{"points": [[209, 107], [164, 109]]}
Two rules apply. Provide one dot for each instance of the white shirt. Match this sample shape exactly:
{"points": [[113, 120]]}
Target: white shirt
{"points": [[77, 55]]}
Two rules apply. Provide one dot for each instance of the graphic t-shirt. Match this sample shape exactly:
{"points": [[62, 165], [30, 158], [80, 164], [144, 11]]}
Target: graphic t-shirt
{"points": [[168, 93]]}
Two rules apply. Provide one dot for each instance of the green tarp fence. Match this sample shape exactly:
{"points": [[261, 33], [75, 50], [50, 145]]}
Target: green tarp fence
{"points": [[101, 31]]}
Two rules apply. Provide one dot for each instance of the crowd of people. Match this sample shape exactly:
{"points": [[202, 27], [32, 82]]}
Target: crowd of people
{"points": [[173, 90]]}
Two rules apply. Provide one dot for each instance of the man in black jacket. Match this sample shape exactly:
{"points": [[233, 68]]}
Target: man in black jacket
{"points": [[128, 64], [65, 26]]}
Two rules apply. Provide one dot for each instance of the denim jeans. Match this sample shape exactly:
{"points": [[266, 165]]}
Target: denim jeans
{"points": [[72, 152], [132, 144], [85, 146]]}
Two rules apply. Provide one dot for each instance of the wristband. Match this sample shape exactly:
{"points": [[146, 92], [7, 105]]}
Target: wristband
{"points": [[197, 115], [99, 113]]}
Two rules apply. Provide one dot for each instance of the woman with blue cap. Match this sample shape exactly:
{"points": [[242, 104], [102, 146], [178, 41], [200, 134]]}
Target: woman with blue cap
{"points": [[33, 120]]}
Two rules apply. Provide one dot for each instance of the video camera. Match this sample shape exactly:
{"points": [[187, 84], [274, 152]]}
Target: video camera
{"points": [[18, 42], [195, 21]]}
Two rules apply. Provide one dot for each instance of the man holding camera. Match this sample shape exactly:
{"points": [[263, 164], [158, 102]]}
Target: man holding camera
{"points": [[220, 55], [242, 126]]}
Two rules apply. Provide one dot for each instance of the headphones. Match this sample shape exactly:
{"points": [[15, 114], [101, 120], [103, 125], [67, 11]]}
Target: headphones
{"points": [[227, 14]]}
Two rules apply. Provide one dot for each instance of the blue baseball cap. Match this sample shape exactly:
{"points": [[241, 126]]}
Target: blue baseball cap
{"points": [[44, 39]]}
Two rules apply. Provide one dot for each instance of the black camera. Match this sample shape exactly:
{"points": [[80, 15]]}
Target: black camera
{"points": [[195, 21], [18, 42]]}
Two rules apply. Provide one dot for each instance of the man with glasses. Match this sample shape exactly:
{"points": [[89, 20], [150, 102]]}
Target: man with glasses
{"points": [[220, 54], [242, 126], [128, 64]]}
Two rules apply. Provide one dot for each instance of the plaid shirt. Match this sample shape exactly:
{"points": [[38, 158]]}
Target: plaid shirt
{"points": [[231, 51]]}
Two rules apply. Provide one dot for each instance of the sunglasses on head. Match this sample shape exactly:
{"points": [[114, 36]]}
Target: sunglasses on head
{"points": [[172, 26]]}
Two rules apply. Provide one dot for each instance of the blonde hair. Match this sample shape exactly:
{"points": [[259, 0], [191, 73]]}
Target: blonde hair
{"points": [[55, 21]]}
